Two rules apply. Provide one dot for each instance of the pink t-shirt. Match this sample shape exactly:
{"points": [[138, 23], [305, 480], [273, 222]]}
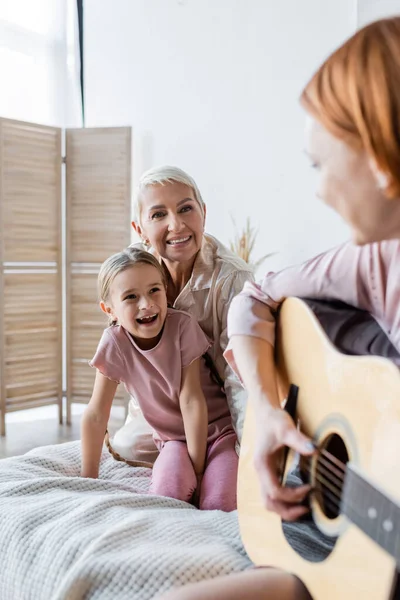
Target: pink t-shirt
{"points": [[367, 277], [154, 376]]}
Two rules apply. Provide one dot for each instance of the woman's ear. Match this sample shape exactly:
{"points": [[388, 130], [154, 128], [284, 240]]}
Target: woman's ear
{"points": [[205, 214], [137, 228], [140, 233]]}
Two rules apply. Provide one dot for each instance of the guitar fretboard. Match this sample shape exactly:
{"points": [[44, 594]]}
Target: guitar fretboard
{"points": [[372, 511]]}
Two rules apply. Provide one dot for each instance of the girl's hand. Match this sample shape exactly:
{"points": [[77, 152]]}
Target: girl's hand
{"points": [[194, 415], [196, 493]]}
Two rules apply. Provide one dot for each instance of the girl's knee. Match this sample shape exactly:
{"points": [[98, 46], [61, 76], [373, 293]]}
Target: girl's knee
{"points": [[225, 501], [169, 491], [179, 485]]}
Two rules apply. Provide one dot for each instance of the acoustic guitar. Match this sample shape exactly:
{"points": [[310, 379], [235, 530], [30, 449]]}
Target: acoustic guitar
{"points": [[350, 407]]}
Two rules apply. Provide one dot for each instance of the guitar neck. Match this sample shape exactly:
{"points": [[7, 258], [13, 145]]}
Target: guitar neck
{"points": [[372, 511]]}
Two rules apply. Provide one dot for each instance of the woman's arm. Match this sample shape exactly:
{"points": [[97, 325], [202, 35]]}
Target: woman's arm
{"points": [[94, 424], [236, 395], [195, 415], [342, 274]]}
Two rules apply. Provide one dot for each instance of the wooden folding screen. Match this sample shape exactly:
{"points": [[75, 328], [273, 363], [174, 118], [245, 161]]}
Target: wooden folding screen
{"points": [[98, 183], [32, 225], [30, 267]]}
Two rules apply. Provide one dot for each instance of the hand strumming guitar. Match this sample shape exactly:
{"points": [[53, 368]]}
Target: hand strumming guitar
{"points": [[275, 428]]}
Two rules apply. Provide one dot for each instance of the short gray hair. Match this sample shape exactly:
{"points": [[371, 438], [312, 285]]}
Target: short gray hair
{"points": [[162, 176]]}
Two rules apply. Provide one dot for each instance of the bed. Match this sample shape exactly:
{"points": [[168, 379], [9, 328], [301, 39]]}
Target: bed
{"points": [[67, 538]]}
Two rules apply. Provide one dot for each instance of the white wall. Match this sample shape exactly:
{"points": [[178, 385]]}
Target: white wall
{"points": [[370, 10], [39, 83], [212, 86]]}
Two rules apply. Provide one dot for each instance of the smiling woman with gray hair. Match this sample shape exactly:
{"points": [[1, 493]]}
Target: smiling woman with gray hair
{"points": [[202, 278]]}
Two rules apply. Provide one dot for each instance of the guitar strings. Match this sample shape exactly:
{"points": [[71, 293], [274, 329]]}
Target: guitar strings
{"points": [[329, 472], [333, 459], [330, 476], [325, 461], [327, 490], [334, 476]]}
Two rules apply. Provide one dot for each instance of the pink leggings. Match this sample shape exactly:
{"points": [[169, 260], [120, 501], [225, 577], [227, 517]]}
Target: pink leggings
{"points": [[174, 476]]}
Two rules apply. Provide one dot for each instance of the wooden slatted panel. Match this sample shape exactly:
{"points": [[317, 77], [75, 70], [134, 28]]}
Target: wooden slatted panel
{"points": [[31, 335], [87, 325], [31, 293], [98, 183], [31, 194], [98, 192]]}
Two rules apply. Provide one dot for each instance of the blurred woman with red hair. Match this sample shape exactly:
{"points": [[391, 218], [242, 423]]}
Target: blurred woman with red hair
{"points": [[353, 131], [353, 140]]}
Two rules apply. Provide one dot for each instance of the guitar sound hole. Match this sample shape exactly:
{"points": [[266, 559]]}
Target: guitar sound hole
{"points": [[327, 478], [329, 475]]}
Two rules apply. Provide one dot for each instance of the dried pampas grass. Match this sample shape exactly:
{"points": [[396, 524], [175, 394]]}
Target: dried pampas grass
{"points": [[243, 244]]}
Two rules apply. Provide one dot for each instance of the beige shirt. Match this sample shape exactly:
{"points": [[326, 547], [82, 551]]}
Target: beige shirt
{"points": [[218, 276]]}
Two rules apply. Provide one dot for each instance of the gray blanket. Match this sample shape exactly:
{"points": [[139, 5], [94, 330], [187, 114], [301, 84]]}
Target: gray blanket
{"points": [[67, 538]]}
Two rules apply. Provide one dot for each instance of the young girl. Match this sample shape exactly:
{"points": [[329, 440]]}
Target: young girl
{"points": [[157, 352]]}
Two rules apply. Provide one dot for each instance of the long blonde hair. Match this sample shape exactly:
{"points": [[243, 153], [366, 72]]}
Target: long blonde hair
{"points": [[119, 262]]}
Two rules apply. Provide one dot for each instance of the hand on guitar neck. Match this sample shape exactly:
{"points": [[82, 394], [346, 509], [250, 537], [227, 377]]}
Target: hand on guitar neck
{"points": [[274, 427]]}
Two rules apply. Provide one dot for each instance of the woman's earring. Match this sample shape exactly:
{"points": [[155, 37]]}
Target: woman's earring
{"points": [[381, 178], [146, 243]]}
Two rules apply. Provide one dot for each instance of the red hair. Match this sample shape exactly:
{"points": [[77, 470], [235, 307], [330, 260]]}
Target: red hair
{"points": [[355, 95]]}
